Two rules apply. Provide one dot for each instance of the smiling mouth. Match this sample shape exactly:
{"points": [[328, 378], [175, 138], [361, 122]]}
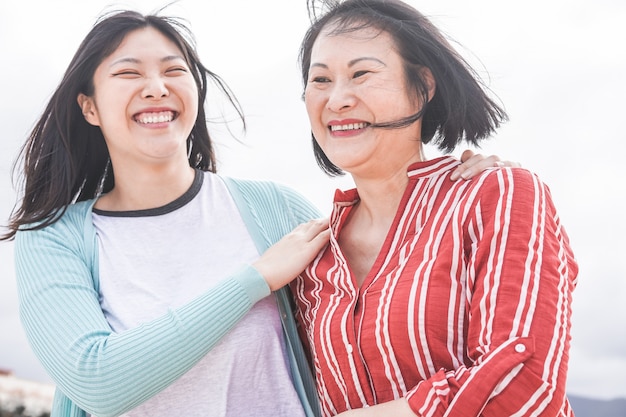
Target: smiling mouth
{"points": [[155, 117], [348, 127]]}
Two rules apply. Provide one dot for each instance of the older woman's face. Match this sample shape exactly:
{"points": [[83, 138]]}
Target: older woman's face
{"points": [[357, 79]]}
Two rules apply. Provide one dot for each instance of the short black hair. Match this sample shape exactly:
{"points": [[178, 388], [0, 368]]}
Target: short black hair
{"points": [[460, 109]]}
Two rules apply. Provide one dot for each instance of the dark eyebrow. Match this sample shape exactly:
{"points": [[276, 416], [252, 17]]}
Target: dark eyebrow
{"points": [[351, 63], [365, 58], [137, 61]]}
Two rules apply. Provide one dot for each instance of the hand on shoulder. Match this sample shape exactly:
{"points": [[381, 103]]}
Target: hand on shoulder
{"points": [[473, 164]]}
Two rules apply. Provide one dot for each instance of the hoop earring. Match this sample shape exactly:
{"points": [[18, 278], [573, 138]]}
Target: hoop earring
{"points": [[100, 186], [189, 147]]}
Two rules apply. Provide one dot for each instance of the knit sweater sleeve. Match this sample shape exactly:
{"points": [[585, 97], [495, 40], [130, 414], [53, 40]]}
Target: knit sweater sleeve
{"points": [[103, 372], [277, 206]]}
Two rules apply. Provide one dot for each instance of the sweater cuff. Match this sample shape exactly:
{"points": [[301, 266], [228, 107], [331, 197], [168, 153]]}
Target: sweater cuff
{"points": [[253, 283]]}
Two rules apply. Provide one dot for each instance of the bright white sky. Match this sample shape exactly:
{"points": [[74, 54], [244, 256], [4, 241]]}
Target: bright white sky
{"points": [[558, 66]]}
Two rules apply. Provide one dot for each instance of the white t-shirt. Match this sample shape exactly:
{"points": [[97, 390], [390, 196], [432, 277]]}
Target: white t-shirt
{"points": [[152, 261]]}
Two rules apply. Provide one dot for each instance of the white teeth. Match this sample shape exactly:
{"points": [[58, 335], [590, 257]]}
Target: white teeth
{"points": [[350, 126], [160, 117]]}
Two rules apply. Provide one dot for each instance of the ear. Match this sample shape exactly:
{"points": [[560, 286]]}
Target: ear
{"points": [[88, 108], [430, 82]]}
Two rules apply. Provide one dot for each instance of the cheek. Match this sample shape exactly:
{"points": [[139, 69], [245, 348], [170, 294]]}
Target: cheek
{"points": [[194, 104], [191, 99], [314, 111], [107, 111], [314, 104]]}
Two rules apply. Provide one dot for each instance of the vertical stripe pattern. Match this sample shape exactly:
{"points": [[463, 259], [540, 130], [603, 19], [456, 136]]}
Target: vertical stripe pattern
{"points": [[465, 312]]}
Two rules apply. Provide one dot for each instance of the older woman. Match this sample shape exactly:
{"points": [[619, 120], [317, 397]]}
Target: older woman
{"points": [[434, 297]]}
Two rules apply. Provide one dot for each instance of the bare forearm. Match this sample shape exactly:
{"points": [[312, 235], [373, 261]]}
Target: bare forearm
{"points": [[396, 408]]}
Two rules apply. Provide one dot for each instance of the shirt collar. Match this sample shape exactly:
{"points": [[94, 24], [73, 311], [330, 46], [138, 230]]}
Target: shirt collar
{"points": [[423, 169]]}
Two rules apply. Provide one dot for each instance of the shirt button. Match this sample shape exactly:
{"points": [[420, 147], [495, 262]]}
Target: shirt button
{"points": [[349, 348], [520, 348]]}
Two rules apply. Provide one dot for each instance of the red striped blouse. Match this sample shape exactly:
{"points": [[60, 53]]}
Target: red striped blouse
{"points": [[467, 308]]}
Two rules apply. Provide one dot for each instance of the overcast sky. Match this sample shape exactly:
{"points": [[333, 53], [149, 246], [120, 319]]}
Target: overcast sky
{"points": [[558, 66]]}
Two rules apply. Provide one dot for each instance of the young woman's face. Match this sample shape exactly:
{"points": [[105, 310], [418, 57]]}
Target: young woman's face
{"points": [[145, 100], [357, 79]]}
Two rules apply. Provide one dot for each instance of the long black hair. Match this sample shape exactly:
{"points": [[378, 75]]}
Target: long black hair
{"points": [[65, 159], [459, 110]]}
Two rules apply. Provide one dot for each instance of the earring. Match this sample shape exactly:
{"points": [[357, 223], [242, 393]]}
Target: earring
{"points": [[103, 178], [189, 146]]}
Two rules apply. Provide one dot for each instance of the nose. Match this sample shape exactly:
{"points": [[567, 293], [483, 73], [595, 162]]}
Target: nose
{"points": [[155, 88], [340, 97]]}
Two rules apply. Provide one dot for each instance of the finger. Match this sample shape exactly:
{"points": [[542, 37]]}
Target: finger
{"points": [[311, 229], [468, 161], [509, 164], [321, 239], [494, 160], [468, 168], [318, 224], [480, 166], [456, 174], [467, 154]]}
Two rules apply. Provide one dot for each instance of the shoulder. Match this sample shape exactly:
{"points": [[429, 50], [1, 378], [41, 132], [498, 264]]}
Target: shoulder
{"points": [[271, 204], [500, 179], [262, 188], [72, 227], [508, 190], [267, 192]]}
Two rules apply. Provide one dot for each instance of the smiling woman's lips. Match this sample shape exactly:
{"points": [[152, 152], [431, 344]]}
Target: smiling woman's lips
{"points": [[155, 117], [348, 127]]}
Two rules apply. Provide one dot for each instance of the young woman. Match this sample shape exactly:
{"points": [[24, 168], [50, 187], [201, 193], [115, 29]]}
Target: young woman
{"points": [[434, 297], [139, 276]]}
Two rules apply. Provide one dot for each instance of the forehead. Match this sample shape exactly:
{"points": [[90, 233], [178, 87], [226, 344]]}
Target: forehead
{"points": [[145, 41], [351, 41]]}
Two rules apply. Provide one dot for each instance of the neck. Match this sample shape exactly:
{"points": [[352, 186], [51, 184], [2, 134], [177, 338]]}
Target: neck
{"points": [[146, 188], [380, 190], [379, 198]]}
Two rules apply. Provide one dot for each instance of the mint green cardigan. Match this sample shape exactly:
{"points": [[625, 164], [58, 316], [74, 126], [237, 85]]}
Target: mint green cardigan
{"points": [[107, 374]]}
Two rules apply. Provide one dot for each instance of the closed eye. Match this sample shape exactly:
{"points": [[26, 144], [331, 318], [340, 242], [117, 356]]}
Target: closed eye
{"points": [[320, 80], [126, 73], [176, 70]]}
